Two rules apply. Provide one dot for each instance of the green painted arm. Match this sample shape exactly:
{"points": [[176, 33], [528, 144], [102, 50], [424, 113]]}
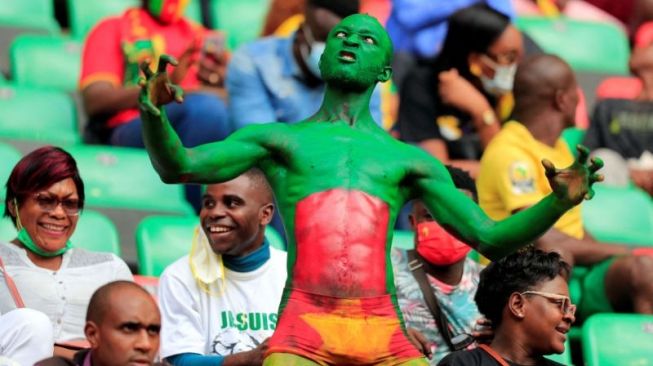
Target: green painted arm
{"points": [[208, 163], [494, 239]]}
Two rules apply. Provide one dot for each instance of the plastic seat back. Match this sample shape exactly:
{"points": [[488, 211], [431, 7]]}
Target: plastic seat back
{"points": [[618, 340], [619, 214], [241, 20], [117, 177], [46, 62], [585, 45], [39, 115], [84, 14], [9, 156]]}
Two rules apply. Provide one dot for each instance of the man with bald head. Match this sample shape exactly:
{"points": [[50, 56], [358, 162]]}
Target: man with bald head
{"points": [[511, 179], [339, 201], [122, 327]]}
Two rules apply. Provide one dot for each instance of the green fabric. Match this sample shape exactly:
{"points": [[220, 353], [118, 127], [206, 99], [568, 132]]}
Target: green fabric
{"points": [[26, 239], [594, 299], [41, 61]]}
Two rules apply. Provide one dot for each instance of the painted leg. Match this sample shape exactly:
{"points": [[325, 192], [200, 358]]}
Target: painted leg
{"points": [[288, 359]]}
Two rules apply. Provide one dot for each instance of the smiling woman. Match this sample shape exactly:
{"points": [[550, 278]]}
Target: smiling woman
{"points": [[42, 271]]}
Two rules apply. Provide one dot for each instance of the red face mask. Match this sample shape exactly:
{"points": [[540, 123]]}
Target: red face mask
{"points": [[167, 11], [437, 246]]}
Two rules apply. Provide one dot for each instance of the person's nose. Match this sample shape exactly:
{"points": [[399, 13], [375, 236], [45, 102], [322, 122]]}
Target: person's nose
{"points": [[144, 341], [352, 40], [58, 211]]}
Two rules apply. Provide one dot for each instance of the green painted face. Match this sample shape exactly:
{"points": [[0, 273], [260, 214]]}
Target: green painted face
{"points": [[357, 55]]}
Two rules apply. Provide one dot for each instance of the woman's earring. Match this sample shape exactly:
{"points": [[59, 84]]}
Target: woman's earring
{"points": [[475, 69]]}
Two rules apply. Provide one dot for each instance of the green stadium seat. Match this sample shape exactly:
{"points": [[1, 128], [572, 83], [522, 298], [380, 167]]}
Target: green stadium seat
{"points": [[403, 239], [586, 46], [94, 232], [9, 157], [573, 136], [161, 240], [618, 340], [84, 14], [619, 214], [241, 20], [37, 115], [41, 10], [52, 62], [123, 178]]}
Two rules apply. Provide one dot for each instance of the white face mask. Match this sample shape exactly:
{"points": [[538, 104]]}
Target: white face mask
{"points": [[504, 77], [312, 57]]}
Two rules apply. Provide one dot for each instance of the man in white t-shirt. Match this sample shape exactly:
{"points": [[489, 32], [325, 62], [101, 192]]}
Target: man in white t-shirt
{"points": [[219, 304]]}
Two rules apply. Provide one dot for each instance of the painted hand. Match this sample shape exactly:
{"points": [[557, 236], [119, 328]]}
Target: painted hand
{"points": [[574, 183], [156, 88]]}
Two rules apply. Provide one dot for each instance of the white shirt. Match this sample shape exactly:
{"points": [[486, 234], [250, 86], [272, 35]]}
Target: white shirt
{"points": [[63, 295], [236, 320]]}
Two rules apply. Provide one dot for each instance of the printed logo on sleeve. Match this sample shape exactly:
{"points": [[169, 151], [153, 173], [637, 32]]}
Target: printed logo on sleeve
{"points": [[521, 178]]}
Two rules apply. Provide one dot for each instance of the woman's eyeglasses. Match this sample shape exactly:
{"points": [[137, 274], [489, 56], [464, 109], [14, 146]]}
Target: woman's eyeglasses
{"points": [[564, 302], [49, 203]]}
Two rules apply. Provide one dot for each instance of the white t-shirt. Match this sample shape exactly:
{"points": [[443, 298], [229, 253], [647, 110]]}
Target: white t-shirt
{"points": [[237, 320], [62, 295]]}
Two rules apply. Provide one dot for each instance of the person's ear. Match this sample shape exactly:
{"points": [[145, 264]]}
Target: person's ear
{"points": [[517, 305], [413, 221], [92, 333], [385, 74], [265, 214], [560, 100], [13, 207]]}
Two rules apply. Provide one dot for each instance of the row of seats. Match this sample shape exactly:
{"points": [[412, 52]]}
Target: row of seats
{"points": [[240, 19]]}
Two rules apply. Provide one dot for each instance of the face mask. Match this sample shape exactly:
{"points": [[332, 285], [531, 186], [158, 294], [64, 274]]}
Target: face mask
{"points": [[437, 246], [312, 57], [504, 77], [27, 241], [167, 11]]}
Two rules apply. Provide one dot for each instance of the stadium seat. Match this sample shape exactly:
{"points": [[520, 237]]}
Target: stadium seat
{"points": [[573, 136], [618, 340], [241, 20], [161, 240], [403, 239], [37, 115], [84, 14], [619, 214], [123, 178], [586, 46], [94, 232], [52, 62], [9, 157], [24, 16], [619, 87]]}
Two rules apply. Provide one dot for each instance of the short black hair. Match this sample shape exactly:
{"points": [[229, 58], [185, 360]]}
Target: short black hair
{"points": [[462, 180], [517, 272], [342, 8], [260, 181]]}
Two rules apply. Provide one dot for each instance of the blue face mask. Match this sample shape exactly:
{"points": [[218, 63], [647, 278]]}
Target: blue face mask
{"points": [[26, 240], [312, 57]]}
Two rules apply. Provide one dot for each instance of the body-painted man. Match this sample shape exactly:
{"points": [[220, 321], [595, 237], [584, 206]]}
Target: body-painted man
{"points": [[340, 181]]}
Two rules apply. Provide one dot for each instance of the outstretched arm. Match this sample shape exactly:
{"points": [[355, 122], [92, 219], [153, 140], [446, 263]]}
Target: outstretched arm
{"points": [[462, 216], [209, 163]]}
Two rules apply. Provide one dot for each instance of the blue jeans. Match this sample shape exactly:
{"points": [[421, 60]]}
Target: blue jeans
{"points": [[201, 118]]}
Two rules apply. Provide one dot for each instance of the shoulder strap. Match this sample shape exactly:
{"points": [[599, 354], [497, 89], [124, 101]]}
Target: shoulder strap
{"points": [[494, 354], [417, 268], [12, 286]]}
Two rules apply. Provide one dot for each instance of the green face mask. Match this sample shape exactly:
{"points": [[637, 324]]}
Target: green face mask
{"points": [[27, 241]]}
